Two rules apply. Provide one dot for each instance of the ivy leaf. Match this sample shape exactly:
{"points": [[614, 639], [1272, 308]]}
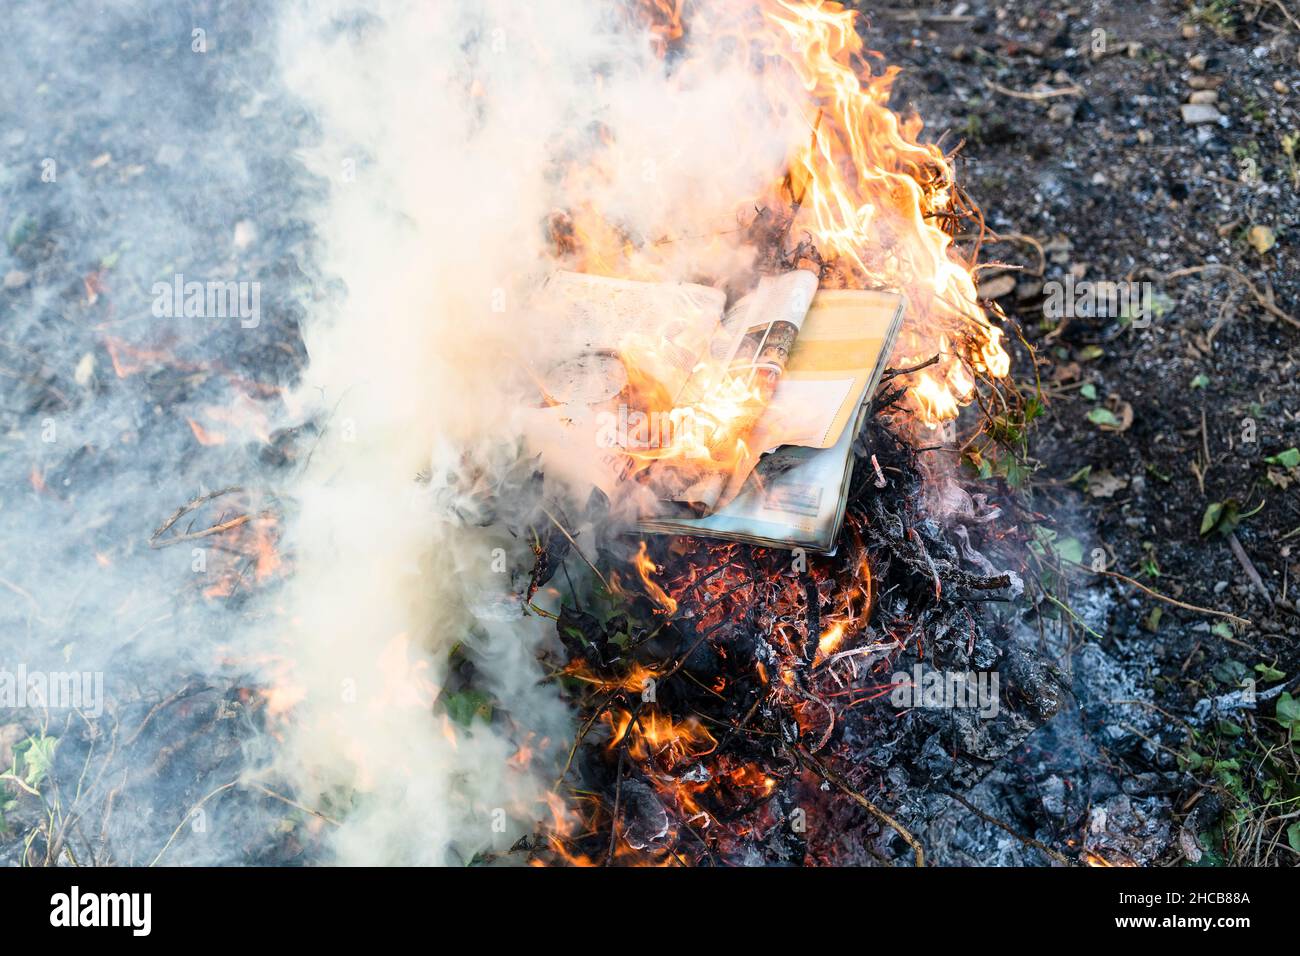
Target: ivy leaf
{"points": [[1287, 459], [1293, 836], [1267, 672], [1288, 714]]}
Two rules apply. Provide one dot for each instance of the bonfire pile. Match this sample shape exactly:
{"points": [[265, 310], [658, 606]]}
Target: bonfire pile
{"points": [[738, 703]]}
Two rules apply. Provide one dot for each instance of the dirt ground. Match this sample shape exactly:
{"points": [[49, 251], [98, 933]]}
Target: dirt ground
{"points": [[1078, 149], [1147, 142]]}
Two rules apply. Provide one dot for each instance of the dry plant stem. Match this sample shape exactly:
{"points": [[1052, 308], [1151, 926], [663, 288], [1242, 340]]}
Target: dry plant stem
{"points": [[586, 560], [1248, 566], [156, 539], [828, 774], [186, 818], [1164, 597], [1034, 95], [297, 806], [1265, 302], [1028, 841]]}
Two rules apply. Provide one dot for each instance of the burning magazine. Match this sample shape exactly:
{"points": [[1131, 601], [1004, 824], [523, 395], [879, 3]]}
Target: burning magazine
{"points": [[740, 424]]}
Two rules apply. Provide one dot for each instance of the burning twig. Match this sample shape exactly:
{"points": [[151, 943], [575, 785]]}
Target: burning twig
{"points": [[880, 475]]}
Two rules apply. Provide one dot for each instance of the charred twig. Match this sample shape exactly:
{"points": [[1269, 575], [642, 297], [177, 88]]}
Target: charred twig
{"points": [[555, 521], [1028, 841], [156, 540], [830, 775], [1247, 565], [895, 372]]}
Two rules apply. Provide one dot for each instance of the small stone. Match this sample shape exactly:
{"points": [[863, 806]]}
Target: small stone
{"points": [[1203, 82], [15, 279], [1189, 31], [1280, 87], [997, 286], [1061, 113], [1204, 96], [1197, 62], [1195, 114], [1146, 137], [85, 369]]}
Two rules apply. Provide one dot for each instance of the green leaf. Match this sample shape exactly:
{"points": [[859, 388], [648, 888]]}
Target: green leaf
{"points": [[1090, 352], [1267, 672], [1201, 381], [1293, 836], [1089, 391], [1080, 475], [1211, 516], [1103, 417], [38, 757], [1223, 516], [1288, 711], [1230, 672], [1070, 549], [1287, 459], [463, 707], [1222, 629]]}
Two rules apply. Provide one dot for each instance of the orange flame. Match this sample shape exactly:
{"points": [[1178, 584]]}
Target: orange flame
{"points": [[879, 205]]}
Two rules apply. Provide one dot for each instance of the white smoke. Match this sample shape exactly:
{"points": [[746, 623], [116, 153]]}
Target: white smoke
{"points": [[449, 132]]}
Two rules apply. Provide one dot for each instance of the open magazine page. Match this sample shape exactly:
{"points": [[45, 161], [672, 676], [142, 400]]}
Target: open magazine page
{"points": [[795, 497], [748, 357], [592, 323], [835, 365], [665, 326], [831, 367]]}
